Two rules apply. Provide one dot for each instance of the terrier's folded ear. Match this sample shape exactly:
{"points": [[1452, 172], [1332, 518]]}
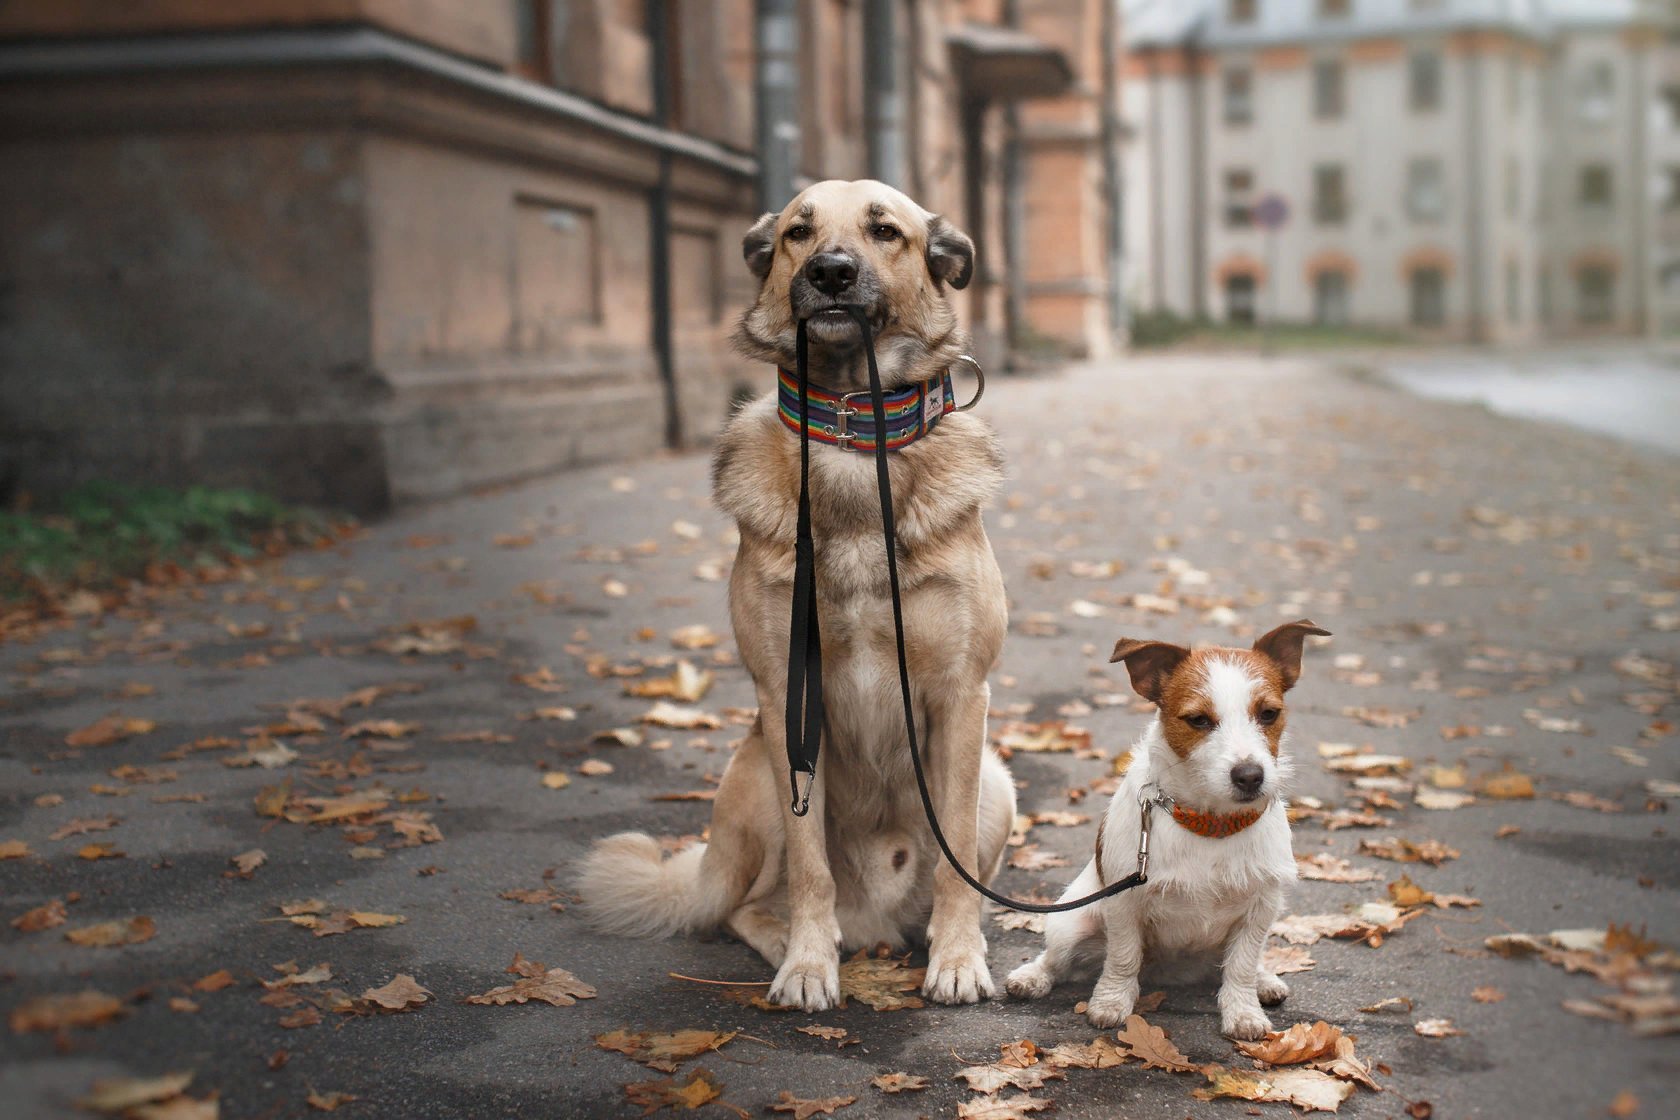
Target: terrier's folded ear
{"points": [[1149, 663], [1283, 647]]}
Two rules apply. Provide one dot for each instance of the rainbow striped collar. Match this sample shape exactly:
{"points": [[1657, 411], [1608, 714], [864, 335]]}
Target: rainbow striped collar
{"points": [[846, 420]]}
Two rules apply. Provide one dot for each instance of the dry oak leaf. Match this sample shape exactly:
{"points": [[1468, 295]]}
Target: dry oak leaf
{"points": [[1303, 1042], [1151, 1046], [379, 729], [216, 981], [1029, 857], [899, 1083], [881, 984], [1506, 785], [805, 1109], [54, 1013], [990, 1079], [1486, 993], [553, 986], [1020, 1054], [664, 1052], [401, 994], [1331, 869], [109, 730], [832, 1034], [1099, 1053], [1285, 959], [45, 916], [666, 714], [1308, 1089], [1432, 852], [82, 825], [701, 1087], [108, 935], [328, 1102], [1054, 735], [1347, 1065], [686, 684], [1435, 1028], [14, 849], [119, 1094], [1405, 893], [1002, 1108], [100, 850], [248, 862], [532, 896], [1392, 1003], [698, 636]]}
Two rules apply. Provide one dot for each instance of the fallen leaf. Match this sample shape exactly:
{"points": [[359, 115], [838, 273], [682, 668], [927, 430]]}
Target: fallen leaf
{"points": [[216, 981], [666, 714], [664, 1052], [1309, 1089], [82, 825], [248, 862], [109, 730], [328, 1102], [183, 1005], [45, 916], [55, 1013], [594, 768], [1369, 764], [700, 1088], [1285, 959], [14, 849], [990, 1079], [1403, 892], [621, 736], [1435, 1028], [1050, 736], [108, 935], [1428, 797], [119, 1094], [832, 1034], [805, 1109], [881, 984], [556, 779], [553, 986], [1623, 1105], [1392, 1003], [1029, 857], [1432, 852], [1331, 869], [686, 684], [1486, 994], [303, 1017], [379, 729], [694, 637], [1099, 1053], [100, 850], [1303, 1042], [401, 994], [1002, 1108], [532, 896], [898, 1083], [1019, 1054], [1151, 1046], [1506, 785]]}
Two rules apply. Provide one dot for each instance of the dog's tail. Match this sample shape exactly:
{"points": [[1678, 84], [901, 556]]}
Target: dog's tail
{"points": [[631, 890]]}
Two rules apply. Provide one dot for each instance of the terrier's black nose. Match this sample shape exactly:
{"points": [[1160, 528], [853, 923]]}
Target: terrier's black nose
{"points": [[831, 273], [1247, 777]]}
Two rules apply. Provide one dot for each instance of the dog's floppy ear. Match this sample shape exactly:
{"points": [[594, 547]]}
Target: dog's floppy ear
{"points": [[1149, 663], [1283, 647], [759, 246], [950, 254]]}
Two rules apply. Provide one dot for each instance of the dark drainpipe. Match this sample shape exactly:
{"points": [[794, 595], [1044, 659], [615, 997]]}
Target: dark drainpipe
{"points": [[659, 223]]}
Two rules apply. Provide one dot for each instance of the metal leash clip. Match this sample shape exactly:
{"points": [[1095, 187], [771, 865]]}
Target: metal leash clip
{"points": [[1146, 802], [802, 797]]}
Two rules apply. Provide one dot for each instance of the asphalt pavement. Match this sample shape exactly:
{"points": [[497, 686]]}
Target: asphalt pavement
{"points": [[1504, 595]]}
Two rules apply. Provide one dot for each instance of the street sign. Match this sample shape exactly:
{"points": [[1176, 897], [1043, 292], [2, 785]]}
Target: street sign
{"points": [[1270, 212]]}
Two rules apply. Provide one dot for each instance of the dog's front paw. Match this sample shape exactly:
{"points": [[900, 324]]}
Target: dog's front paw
{"points": [[811, 985], [958, 977], [1272, 990], [1245, 1023], [1110, 1012], [1030, 981]]}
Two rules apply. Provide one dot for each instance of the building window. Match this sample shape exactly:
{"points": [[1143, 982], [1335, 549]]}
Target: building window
{"points": [[1429, 297], [1242, 11], [1423, 81], [1240, 299], [1426, 190], [1335, 9], [1329, 194], [1595, 93], [1513, 293], [1239, 96], [1239, 198], [1596, 188], [1595, 294], [1330, 298], [1327, 88]]}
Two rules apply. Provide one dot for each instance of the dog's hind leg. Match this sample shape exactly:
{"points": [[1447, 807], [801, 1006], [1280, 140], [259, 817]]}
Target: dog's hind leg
{"points": [[997, 816], [761, 928], [1067, 939]]}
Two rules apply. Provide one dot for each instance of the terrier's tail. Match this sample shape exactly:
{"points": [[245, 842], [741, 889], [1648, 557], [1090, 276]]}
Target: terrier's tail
{"points": [[631, 890]]}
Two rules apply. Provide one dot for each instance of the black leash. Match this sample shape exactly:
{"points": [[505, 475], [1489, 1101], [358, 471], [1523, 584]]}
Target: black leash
{"points": [[804, 704]]}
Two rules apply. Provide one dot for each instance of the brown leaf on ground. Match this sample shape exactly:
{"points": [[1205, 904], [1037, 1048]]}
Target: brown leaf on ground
{"points": [[1392, 1003], [108, 935], [1331, 869], [554, 986], [14, 849], [1151, 1046], [990, 1079], [109, 730], [1432, 852], [1018, 1055], [379, 729], [119, 1094], [55, 1013], [899, 1083], [1405, 893], [1303, 1042], [1099, 1053], [83, 825], [248, 862], [1029, 857], [1435, 1028], [215, 981], [832, 1034], [881, 984], [402, 994], [100, 851], [1308, 1089], [302, 1017], [1347, 1065], [666, 714], [329, 1102], [1506, 785], [1051, 736], [1284, 959], [805, 1109], [701, 1088], [1002, 1108], [686, 684], [664, 1052], [1623, 1105], [532, 896], [1486, 993], [45, 916], [698, 636]]}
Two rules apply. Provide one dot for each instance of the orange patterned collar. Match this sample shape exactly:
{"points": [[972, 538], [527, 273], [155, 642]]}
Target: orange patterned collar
{"points": [[1214, 826]]}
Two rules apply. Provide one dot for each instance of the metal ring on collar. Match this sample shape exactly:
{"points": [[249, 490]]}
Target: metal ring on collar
{"points": [[980, 378]]}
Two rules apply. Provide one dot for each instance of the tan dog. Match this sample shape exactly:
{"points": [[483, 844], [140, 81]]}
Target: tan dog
{"points": [[862, 867]]}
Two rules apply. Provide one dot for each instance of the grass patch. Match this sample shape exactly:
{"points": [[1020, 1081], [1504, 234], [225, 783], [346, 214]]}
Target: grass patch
{"points": [[104, 535]]}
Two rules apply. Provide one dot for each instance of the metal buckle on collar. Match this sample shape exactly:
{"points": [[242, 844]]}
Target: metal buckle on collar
{"points": [[844, 437]]}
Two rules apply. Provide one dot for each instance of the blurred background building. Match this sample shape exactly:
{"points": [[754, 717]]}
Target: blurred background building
{"points": [[1490, 170], [364, 251]]}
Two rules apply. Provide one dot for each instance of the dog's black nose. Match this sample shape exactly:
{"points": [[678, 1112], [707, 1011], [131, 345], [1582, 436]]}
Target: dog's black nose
{"points": [[831, 273], [1247, 777]]}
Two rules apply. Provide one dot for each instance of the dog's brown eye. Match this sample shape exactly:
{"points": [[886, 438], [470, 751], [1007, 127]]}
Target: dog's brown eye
{"points": [[884, 233], [1200, 722], [1269, 715], [797, 233]]}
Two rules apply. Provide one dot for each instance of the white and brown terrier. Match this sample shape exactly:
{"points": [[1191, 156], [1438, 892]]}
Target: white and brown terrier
{"points": [[1210, 772]]}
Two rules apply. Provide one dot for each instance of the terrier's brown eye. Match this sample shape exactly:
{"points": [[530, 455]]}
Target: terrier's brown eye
{"points": [[1269, 715], [884, 233], [797, 233], [1200, 722]]}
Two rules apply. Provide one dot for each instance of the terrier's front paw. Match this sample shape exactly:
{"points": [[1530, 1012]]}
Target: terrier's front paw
{"points": [[1245, 1023], [1272, 990], [1030, 981], [811, 985], [1105, 1012], [958, 977]]}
